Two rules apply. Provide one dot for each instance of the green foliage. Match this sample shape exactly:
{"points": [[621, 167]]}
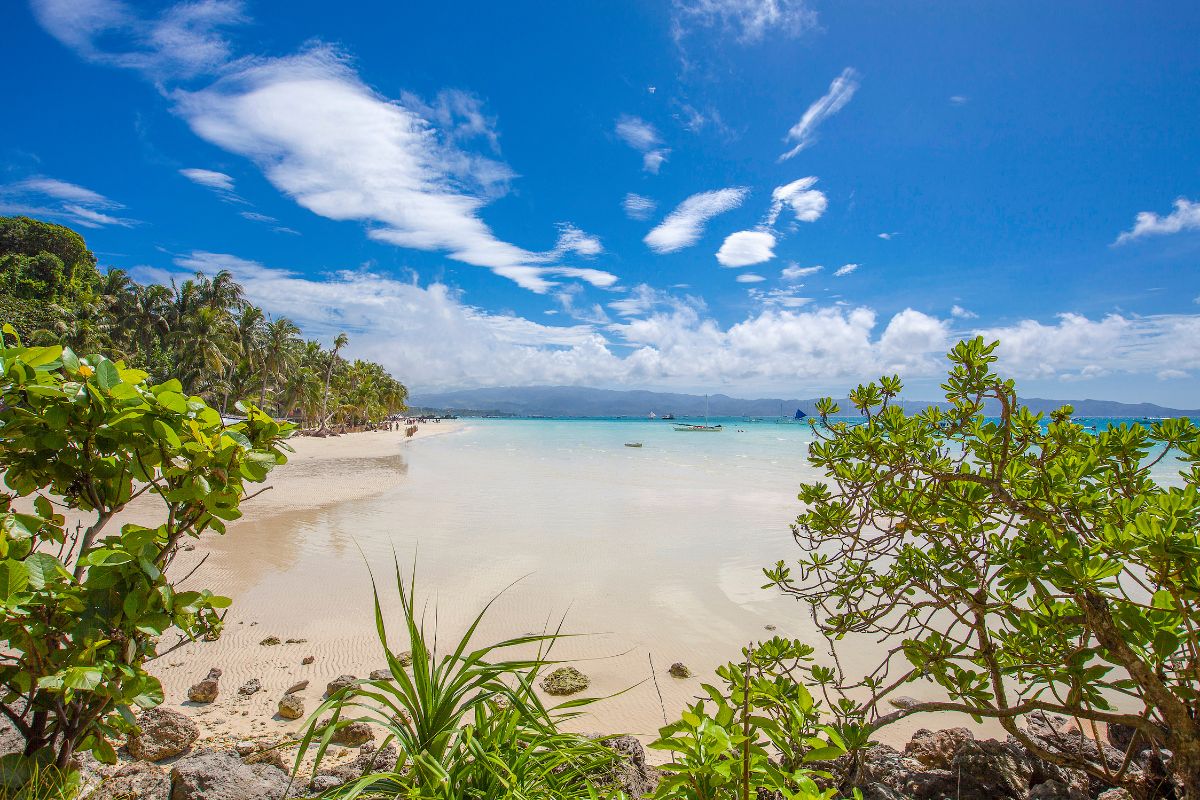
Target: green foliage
{"points": [[1023, 564], [202, 332], [44, 261], [755, 734], [84, 608], [467, 723]]}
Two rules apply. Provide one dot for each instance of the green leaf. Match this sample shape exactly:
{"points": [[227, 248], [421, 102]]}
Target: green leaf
{"points": [[14, 577], [107, 375]]}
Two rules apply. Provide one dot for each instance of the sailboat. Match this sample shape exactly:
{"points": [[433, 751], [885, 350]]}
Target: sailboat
{"points": [[705, 428]]}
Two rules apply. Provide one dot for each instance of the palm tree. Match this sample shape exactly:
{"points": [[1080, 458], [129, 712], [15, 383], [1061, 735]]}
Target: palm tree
{"points": [[280, 351], [338, 343]]}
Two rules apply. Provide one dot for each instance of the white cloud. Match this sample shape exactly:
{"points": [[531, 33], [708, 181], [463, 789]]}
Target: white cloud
{"points": [[958, 312], [458, 113], [683, 226], [749, 20], [254, 216], [182, 41], [794, 272], [1185, 217], [210, 178], [886, 235], [1172, 374], [1077, 347], [959, 100], [643, 137], [744, 248], [638, 206], [573, 240], [431, 338], [784, 298], [807, 203], [51, 198], [845, 269], [803, 133], [749, 277], [344, 152]]}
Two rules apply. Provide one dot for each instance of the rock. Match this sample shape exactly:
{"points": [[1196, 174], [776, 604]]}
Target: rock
{"points": [[252, 686], [405, 658], [272, 755], [369, 759], [994, 769], [245, 747], [206, 690], [1114, 794], [678, 670], [339, 683], [631, 773], [296, 641], [164, 733], [1122, 736], [270, 641], [565, 680], [902, 702], [1053, 790], [350, 734], [134, 781], [291, 706], [214, 775], [325, 781], [297, 687], [1046, 726], [769, 627], [937, 749], [307, 660], [381, 675]]}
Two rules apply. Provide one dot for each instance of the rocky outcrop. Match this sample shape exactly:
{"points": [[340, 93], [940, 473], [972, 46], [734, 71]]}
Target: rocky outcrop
{"points": [[219, 775], [252, 686], [205, 691], [679, 670], [339, 683], [565, 680], [135, 781], [369, 759], [291, 706], [163, 733], [349, 734], [631, 772]]}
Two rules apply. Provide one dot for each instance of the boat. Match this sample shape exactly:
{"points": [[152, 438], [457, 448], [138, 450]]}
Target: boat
{"points": [[668, 416], [799, 414], [653, 415], [633, 444], [705, 428]]}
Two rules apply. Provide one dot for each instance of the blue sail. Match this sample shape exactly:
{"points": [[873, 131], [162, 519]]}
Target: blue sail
{"points": [[799, 414]]}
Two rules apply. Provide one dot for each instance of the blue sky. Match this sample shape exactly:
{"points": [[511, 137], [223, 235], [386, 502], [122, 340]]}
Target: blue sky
{"points": [[748, 196]]}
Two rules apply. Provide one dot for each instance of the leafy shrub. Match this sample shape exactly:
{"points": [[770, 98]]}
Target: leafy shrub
{"points": [[84, 608], [1023, 564]]}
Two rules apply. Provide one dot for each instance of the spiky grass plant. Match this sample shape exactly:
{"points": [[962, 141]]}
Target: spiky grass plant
{"points": [[467, 723]]}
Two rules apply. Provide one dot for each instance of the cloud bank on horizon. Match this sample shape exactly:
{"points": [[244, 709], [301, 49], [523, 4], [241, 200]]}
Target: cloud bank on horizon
{"points": [[424, 173]]}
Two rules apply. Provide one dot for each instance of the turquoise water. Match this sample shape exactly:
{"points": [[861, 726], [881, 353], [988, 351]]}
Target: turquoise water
{"points": [[655, 552]]}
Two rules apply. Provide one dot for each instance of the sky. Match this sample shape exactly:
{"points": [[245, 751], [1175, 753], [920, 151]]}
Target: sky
{"points": [[755, 197]]}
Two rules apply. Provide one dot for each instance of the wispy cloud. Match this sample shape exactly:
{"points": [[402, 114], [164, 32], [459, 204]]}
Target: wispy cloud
{"points": [[807, 203], [209, 178], [743, 248], [959, 100], [845, 269], [749, 277], [958, 312], [1185, 217], [184, 40], [51, 198], [638, 206], [748, 20], [888, 235], [794, 272], [781, 298], [683, 226], [804, 132], [344, 152], [643, 137]]}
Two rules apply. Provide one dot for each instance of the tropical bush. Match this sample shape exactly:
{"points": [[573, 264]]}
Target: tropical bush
{"points": [[759, 733], [1024, 564], [202, 332], [84, 607], [467, 722]]}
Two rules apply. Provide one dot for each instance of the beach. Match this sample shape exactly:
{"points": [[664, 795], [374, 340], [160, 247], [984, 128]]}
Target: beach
{"points": [[654, 554]]}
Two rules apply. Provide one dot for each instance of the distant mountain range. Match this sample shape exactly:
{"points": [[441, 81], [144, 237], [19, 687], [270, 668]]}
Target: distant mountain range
{"points": [[578, 401]]}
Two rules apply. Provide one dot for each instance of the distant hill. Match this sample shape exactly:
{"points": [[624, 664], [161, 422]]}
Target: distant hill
{"points": [[578, 401]]}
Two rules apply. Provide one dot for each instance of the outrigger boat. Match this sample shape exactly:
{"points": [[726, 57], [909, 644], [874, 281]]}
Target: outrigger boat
{"points": [[705, 428]]}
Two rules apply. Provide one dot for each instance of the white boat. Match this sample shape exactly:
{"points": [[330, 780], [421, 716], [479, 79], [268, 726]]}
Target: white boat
{"points": [[705, 428], [633, 444]]}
